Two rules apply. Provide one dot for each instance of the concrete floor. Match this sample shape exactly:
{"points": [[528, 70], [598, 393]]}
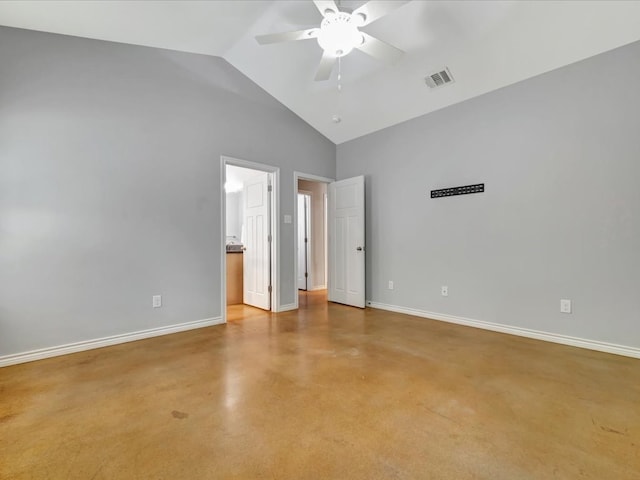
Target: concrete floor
{"points": [[329, 392]]}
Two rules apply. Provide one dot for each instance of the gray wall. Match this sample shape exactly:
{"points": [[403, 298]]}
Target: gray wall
{"points": [[109, 183], [560, 157]]}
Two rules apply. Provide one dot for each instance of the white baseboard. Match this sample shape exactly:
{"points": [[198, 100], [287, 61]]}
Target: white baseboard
{"points": [[287, 307], [522, 332], [318, 287], [42, 353]]}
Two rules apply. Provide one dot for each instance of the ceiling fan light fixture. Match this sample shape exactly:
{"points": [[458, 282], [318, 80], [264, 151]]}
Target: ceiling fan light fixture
{"points": [[339, 34]]}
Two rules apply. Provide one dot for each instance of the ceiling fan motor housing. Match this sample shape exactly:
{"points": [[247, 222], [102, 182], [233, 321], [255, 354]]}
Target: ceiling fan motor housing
{"points": [[339, 33]]}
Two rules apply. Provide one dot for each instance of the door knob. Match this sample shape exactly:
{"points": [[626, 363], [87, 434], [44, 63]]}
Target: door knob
{"points": [[359, 249]]}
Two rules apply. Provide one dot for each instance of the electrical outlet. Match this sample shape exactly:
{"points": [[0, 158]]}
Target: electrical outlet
{"points": [[444, 290], [157, 301], [390, 284], [565, 306]]}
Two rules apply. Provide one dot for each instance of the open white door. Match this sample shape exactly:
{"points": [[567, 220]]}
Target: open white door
{"points": [[346, 241], [257, 261]]}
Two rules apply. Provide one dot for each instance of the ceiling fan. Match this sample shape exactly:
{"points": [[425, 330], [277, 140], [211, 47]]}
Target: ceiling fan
{"points": [[339, 33]]}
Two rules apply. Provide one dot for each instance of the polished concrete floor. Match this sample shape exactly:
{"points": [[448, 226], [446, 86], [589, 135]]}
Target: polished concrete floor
{"points": [[329, 392]]}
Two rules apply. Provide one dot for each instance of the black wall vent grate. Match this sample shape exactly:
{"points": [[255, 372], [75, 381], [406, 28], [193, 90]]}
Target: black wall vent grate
{"points": [[465, 190]]}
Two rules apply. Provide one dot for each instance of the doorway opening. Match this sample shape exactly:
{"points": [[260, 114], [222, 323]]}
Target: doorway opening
{"points": [[304, 240], [311, 259], [249, 235]]}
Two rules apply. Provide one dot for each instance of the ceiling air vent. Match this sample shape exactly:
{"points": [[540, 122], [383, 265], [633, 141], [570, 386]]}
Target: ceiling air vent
{"points": [[439, 79]]}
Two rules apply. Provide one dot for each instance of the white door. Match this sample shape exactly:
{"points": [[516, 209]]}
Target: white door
{"points": [[304, 233], [256, 258], [346, 241]]}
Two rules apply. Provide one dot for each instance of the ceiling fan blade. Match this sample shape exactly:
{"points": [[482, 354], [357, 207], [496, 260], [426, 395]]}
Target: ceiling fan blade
{"points": [[324, 5], [379, 49], [287, 36], [326, 66], [375, 9]]}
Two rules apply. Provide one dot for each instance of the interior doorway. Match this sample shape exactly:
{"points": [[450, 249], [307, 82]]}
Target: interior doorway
{"points": [[311, 234], [249, 229], [304, 240]]}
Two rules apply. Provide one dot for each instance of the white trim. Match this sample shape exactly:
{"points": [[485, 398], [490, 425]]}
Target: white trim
{"points": [[275, 229], [288, 307], [519, 331], [223, 240], [318, 287], [325, 227], [42, 353], [313, 178]]}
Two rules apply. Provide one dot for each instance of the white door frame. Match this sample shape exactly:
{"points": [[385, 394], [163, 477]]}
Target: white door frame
{"points": [[275, 231], [313, 178]]}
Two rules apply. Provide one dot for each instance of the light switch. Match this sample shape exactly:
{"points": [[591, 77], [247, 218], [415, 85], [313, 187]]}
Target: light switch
{"points": [[287, 219]]}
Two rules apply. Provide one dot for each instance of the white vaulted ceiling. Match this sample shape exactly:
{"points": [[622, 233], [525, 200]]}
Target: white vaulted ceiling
{"points": [[485, 44]]}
